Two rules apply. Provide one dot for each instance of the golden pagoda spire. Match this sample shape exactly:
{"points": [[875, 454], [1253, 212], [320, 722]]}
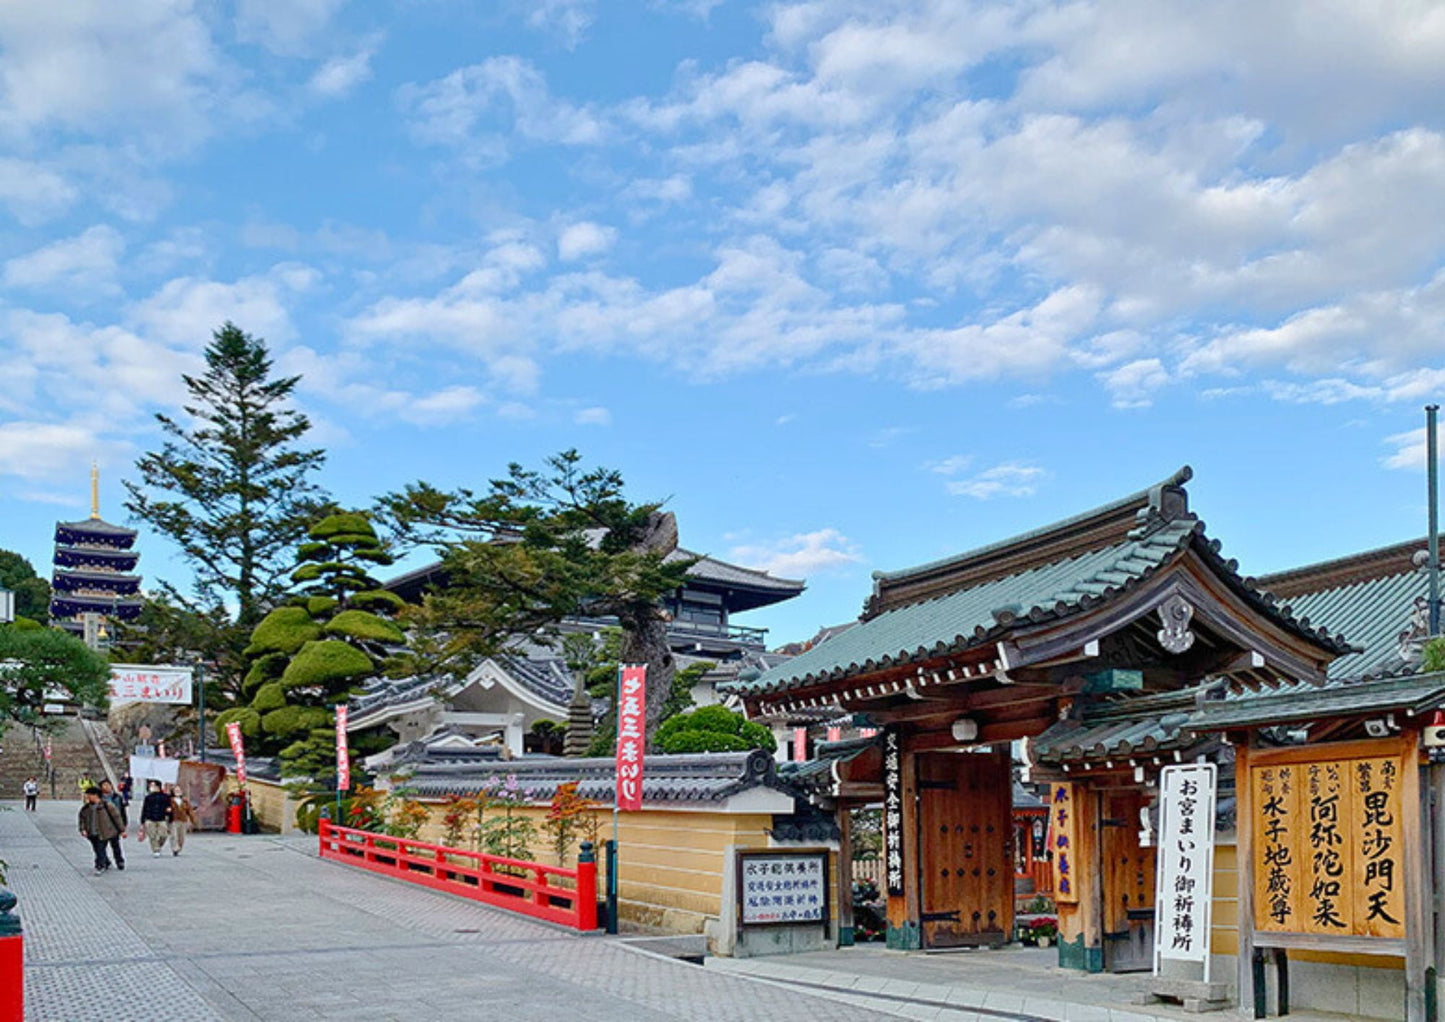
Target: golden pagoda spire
{"points": [[94, 490]]}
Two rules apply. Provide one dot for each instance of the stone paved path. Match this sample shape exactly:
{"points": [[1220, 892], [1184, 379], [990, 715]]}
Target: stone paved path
{"points": [[259, 928]]}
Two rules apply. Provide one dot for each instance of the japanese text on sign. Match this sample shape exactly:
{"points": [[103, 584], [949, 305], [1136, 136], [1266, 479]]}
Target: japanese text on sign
{"points": [[343, 757], [631, 734], [150, 683], [1328, 847], [783, 888], [1064, 840], [893, 811], [233, 731], [1186, 862]]}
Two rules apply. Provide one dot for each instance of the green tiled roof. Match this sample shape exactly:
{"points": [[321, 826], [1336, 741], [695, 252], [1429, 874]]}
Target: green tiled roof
{"points": [[1373, 613], [1300, 703], [1139, 726]]}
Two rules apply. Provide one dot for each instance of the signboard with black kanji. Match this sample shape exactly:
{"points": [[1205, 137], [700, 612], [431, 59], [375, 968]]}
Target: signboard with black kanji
{"points": [[1064, 840], [1184, 896], [1329, 847], [780, 887], [893, 811]]}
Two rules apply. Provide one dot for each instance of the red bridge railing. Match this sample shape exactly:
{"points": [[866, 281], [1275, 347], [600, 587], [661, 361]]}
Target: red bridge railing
{"points": [[554, 893]]}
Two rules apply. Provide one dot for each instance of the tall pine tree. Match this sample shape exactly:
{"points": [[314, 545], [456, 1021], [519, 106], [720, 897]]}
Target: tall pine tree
{"points": [[231, 487]]}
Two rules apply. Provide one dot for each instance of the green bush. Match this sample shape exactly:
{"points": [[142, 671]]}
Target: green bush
{"points": [[325, 661], [249, 718], [344, 527], [378, 600], [712, 729], [365, 627], [270, 696], [288, 720], [284, 630]]}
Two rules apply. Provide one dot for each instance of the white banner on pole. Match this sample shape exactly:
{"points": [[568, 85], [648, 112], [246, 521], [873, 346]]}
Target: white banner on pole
{"points": [[145, 768], [150, 683], [1184, 895]]}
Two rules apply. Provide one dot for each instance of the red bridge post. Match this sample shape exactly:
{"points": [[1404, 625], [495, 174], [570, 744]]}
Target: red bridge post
{"points": [[12, 960], [587, 888]]}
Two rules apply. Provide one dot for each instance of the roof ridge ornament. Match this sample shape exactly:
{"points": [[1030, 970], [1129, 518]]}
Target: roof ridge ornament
{"points": [[1175, 614]]}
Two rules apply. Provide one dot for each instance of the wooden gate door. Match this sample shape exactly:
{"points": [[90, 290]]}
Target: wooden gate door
{"points": [[965, 822], [1128, 884]]}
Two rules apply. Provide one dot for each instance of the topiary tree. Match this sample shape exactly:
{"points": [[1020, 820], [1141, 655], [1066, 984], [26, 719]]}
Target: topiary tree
{"points": [[313, 652], [713, 729]]}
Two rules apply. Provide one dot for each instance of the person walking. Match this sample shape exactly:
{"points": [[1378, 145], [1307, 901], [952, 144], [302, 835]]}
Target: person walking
{"points": [[183, 818], [31, 789], [109, 794], [84, 784], [127, 785], [154, 812], [99, 824]]}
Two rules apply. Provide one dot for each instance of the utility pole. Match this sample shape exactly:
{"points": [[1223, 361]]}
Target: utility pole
{"points": [[1432, 475]]}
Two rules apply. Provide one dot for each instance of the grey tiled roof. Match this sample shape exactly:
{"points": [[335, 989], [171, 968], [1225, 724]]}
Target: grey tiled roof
{"points": [[1301, 703], [713, 570], [704, 777]]}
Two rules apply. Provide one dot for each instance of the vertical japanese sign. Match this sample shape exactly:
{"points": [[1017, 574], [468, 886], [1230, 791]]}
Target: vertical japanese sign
{"points": [[1064, 840], [1185, 884], [233, 731], [1329, 848], [800, 744], [343, 756], [1378, 847], [631, 734], [893, 810]]}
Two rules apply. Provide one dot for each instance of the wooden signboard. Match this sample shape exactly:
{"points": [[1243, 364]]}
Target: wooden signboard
{"points": [[782, 887], [1064, 840], [1328, 847]]}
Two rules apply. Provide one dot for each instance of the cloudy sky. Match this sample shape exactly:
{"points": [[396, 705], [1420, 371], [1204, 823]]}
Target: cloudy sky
{"points": [[855, 285]]}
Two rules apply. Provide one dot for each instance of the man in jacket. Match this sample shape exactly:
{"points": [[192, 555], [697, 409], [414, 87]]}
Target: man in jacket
{"points": [[155, 811], [99, 824], [109, 794]]}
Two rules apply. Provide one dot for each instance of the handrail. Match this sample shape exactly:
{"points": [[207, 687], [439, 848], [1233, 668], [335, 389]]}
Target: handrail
{"points": [[89, 728], [515, 884]]}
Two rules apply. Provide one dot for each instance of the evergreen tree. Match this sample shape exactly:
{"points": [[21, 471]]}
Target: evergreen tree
{"points": [[314, 651], [536, 548], [231, 485], [32, 593], [41, 661]]}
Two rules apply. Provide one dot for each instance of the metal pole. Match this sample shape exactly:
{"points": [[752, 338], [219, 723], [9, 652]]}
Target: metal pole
{"points": [[201, 692], [1432, 475]]}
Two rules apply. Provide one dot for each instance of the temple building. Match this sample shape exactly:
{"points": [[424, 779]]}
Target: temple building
{"points": [[504, 696], [94, 572]]}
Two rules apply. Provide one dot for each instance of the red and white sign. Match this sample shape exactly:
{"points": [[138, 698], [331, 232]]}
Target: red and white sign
{"points": [[631, 735], [800, 744], [150, 683], [343, 758], [233, 730]]}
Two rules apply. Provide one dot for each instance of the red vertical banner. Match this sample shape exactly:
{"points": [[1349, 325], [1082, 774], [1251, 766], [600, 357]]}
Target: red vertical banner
{"points": [[631, 735], [233, 731], [835, 734], [800, 744], [343, 757]]}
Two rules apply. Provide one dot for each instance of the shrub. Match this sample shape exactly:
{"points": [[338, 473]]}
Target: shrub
{"points": [[324, 661], [284, 630], [364, 626], [712, 729]]}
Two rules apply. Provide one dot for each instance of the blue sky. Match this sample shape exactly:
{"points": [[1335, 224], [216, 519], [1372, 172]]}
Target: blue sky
{"points": [[855, 285]]}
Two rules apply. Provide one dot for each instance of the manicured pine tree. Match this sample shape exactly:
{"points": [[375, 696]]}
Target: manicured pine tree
{"points": [[314, 651]]}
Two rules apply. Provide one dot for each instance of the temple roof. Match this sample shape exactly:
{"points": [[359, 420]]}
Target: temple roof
{"points": [[1376, 597], [96, 527], [1046, 575], [1148, 725], [1310, 704]]}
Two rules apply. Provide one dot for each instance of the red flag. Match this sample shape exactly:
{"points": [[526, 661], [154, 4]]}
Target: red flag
{"points": [[631, 735], [343, 758], [233, 730], [800, 744]]}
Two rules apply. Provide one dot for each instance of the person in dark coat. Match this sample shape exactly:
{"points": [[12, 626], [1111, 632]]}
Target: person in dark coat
{"points": [[109, 794], [99, 824], [155, 811]]}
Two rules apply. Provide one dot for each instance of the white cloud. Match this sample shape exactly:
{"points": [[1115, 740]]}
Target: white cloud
{"points": [[32, 193], [1134, 384], [951, 465], [579, 240], [1007, 479], [286, 27], [596, 416], [340, 75], [187, 310], [42, 450], [800, 556], [565, 20], [442, 406], [84, 265]]}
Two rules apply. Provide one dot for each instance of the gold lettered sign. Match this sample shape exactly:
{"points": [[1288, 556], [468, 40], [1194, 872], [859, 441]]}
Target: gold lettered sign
{"points": [[1328, 849], [1064, 840]]}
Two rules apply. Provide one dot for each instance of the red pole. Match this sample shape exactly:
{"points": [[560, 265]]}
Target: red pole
{"points": [[12, 960], [587, 888], [322, 826]]}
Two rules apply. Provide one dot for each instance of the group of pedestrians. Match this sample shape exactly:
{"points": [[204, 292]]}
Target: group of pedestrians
{"points": [[104, 820]]}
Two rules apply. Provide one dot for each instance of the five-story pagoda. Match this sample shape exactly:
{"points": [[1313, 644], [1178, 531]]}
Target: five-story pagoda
{"points": [[94, 569]]}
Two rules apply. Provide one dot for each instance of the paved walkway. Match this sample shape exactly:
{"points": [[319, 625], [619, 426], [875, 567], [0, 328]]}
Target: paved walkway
{"points": [[260, 928]]}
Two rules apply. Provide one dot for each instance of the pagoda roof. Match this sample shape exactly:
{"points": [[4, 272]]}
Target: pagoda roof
{"points": [[66, 604], [1376, 597], [1032, 580], [96, 527], [99, 578]]}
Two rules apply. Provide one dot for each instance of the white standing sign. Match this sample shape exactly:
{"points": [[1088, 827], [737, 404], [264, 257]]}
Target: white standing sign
{"points": [[1186, 864], [150, 683]]}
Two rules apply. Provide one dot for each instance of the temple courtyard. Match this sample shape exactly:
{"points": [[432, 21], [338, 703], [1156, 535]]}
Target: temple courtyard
{"points": [[260, 928]]}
